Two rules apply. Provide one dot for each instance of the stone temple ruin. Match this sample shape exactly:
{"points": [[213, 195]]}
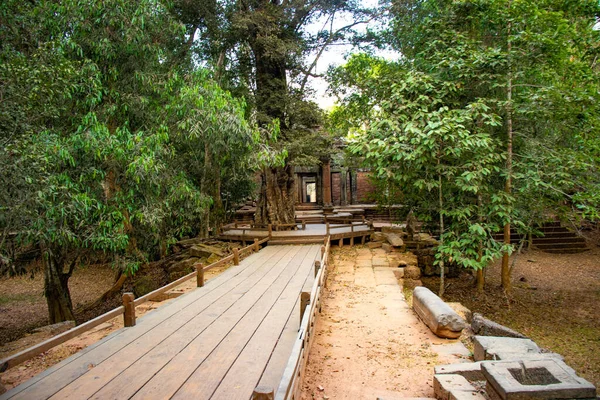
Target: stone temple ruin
{"points": [[504, 368]]}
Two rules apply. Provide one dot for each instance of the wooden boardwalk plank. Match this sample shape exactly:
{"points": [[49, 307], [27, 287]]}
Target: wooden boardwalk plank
{"points": [[48, 383], [273, 371], [245, 373], [177, 370], [135, 376]]}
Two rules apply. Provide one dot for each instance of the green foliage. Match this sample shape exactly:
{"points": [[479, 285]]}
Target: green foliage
{"points": [[104, 143], [437, 120], [414, 134]]}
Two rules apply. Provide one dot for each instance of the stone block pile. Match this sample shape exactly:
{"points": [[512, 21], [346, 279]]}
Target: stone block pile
{"points": [[507, 367]]}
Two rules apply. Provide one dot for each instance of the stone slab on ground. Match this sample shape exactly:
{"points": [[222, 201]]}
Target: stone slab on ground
{"points": [[513, 355], [488, 347], [380, 262], [437, 315], [363, 263], [364, 276], [470, 371], [454, 387], [385, 276], [453, 348], [535, 379], [486, 327]]}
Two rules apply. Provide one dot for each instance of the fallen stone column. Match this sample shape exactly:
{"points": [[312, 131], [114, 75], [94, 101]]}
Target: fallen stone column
{"points": [[437, 315]]}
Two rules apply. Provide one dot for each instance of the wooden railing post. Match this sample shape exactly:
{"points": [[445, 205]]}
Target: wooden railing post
{"points": [[327, 226], [199, 275], [317, 267], [322, 251], [129, 313], [303, 224], [256, 247], [236, 256], [304, 301], [235, 224], [263, 393]]}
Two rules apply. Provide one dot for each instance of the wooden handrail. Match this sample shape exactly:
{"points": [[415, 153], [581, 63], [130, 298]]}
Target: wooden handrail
{"points": [[290, 381], [46, 345], [352, 226]]}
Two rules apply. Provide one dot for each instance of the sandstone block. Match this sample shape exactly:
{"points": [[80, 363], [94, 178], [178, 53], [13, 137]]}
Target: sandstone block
{"points": [[374, 245], [454, 387], [377, 237], [535, 379], [397, 263], [489, 347], [205, 251], [485, 327], [412, 272], [470, 371], [461, 310], [394, 239], [437, 315], [412, 283]]}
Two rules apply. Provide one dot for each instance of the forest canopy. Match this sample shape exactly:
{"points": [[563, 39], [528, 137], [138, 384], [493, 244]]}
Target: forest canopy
{"points": [[127, 125]]}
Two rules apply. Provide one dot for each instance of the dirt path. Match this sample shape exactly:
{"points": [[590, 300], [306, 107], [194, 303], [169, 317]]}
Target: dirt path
{"points": [[369, 343]]}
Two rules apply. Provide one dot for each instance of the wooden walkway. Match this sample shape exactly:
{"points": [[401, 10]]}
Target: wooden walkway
{"points": [[216, 342]]}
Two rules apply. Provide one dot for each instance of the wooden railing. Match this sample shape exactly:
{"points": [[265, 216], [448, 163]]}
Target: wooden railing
{"points": [[345, 220], [290, 385], [270, 228], [127, 309]]}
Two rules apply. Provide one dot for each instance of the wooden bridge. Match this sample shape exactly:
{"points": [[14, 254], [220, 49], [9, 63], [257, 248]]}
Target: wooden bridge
{"points": [[221, 341]]}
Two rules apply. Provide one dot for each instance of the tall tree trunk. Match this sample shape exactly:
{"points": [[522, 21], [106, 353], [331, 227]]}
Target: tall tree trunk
{"points": [[276, 202], [505, 274], [441, 208], [480, 274], [56, 289]]}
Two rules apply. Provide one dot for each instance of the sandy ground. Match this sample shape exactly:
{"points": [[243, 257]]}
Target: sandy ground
{"points": [[368, 342], [19, 374], [23, 305]]}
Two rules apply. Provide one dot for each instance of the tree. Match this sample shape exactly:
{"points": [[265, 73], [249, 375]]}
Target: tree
{"points": [[259, 49], [98, 155], [532, 63], [412, 130]]}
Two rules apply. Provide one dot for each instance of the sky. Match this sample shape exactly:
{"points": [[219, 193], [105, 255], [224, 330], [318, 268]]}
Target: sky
{"points": [[336, 55]]}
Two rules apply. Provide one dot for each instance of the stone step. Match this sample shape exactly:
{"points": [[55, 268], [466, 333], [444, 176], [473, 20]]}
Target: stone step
{"points": [[562, 239], [566, 251], [550, 246]]}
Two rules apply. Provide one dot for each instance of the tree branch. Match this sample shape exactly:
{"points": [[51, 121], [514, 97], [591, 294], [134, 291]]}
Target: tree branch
{"points": [[330, 39]]}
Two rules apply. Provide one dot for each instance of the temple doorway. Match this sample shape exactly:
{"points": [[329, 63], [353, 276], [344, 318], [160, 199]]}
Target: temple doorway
{"points": [[307, 188]]}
